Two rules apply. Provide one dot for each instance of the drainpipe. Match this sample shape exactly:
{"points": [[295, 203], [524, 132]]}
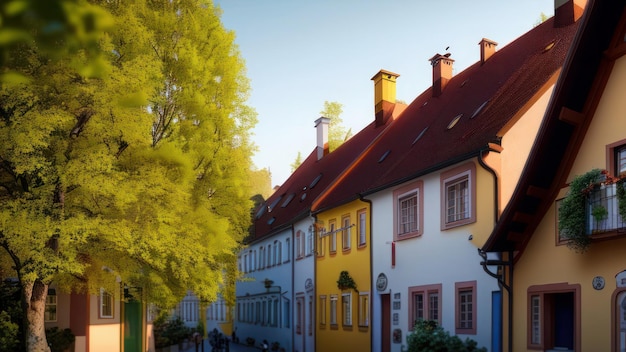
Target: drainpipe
{"points": [[501, 278], [372, 285], [292, 259], [315, 286]]}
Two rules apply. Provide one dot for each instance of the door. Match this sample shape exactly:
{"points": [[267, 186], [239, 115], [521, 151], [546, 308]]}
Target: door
{"points": [[564, 320], [385, 322], [132, 326]]}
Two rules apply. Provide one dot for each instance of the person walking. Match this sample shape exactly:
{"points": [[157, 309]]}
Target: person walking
{"points": [[265, 346]]}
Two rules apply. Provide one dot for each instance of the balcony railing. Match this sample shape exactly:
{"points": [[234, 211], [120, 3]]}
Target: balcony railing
{"points": [[603, 210]]}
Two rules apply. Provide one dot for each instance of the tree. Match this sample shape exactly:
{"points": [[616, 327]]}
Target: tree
{"points": [[139, 174], [337, 133], [296, 163]]}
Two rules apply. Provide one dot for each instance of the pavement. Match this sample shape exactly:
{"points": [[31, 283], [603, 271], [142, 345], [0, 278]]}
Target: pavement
{"points": [[232, 347]]}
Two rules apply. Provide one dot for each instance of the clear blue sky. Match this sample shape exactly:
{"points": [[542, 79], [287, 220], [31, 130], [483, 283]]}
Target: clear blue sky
{"points": [[301, 53]]}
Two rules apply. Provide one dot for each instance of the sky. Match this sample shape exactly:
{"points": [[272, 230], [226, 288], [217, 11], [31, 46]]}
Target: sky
{"points": [[301, 53]]}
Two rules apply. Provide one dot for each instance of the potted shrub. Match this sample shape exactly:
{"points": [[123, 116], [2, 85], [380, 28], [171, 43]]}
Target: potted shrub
{"points": [[346, 282]]}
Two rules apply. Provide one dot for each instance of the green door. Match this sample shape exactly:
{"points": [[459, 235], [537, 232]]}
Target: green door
{"points": [[132, 326]]}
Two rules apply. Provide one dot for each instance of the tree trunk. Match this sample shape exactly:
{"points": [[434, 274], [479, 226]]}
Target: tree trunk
{"points": [[34, 301]]}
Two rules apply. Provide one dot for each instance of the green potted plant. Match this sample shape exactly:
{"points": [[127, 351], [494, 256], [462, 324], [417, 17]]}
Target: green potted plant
{"points": [[346, 282]]}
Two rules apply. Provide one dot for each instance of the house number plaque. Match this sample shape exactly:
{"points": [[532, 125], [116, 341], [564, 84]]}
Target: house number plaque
{"points": [[598, 282]]}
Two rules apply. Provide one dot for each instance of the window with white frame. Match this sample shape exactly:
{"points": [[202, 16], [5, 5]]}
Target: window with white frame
{"points": [[50, 313], [310, 244], [332, 236], [299, 244], [322, 310], [106, 304], [458, 196], [333, 309], [535, 320], [321, 235], [345, 233], [408, 211], [287, 250], [364, 309], [269, 256], [346, 308], [361, 214], [261, 258]]}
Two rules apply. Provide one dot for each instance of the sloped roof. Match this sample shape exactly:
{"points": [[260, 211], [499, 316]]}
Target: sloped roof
{"points": [[563, 129], [482, 99], [292, 200]]}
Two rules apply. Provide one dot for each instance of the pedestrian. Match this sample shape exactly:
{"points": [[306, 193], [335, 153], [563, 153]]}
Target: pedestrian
{"points": [[265, 346]]}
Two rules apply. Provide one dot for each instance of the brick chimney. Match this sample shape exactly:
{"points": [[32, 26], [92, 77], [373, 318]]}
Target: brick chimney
{"points": [[567, 12], [321, 125], [442, 72], [384, 95], [487, 48]]}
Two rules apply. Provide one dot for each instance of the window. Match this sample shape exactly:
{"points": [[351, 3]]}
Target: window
{"points": [[466, 307], [346, 308], [333, 309], [321, 234], [619, 328], [269, 255], [345, 233], [408, 211], [553, 317], [332, 236], [261, 258], [322, 309], [106, 304], [361, 215], [424, 303], [364, 309], [616, 158], [309, 243], [299, 314], [287, 249], [310, 316], [299, 244], [287, 313], [458, 191], [50, 313]]}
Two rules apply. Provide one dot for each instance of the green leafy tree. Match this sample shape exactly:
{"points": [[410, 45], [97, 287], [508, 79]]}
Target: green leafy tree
{"points": [[138, 174], [337, 133], [296, 163]]}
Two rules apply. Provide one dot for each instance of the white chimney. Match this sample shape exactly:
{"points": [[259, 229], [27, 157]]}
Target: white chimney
{"points": [[321, 125]]}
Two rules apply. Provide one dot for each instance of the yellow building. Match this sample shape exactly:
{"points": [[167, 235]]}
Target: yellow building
{"points": [[570, 294], [343, 257]]}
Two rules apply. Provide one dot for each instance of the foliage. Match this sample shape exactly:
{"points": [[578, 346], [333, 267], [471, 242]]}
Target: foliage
{"points": [[296, 163], [59, 340], [9, 331], [10, 316], [621, 198], [142, 171], [337, 133], [250, 341], [572, 211], [169, 332], [346, 281], [428, 336]]}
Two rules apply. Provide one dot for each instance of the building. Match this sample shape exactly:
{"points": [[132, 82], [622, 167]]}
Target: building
{"points": [[565, 297], [433, 184]]}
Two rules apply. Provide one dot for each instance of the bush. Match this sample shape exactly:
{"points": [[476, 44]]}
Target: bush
{"points": [[8, 333], [428, 336], [59, 340], [169, 332]]}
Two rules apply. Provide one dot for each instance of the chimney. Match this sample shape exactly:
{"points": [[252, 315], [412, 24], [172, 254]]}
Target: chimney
{"points": [[384, 95], [487, 48], [567, 12], [442, 72], [321, 125]]}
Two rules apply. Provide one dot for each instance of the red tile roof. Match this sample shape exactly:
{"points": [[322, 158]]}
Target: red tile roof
{"points": [[300, 186], [486, 97]]}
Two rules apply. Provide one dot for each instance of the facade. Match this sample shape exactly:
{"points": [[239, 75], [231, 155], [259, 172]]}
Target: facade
{"points": [[434, 183], [561, 298], [264, 299], [102, 322]]}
